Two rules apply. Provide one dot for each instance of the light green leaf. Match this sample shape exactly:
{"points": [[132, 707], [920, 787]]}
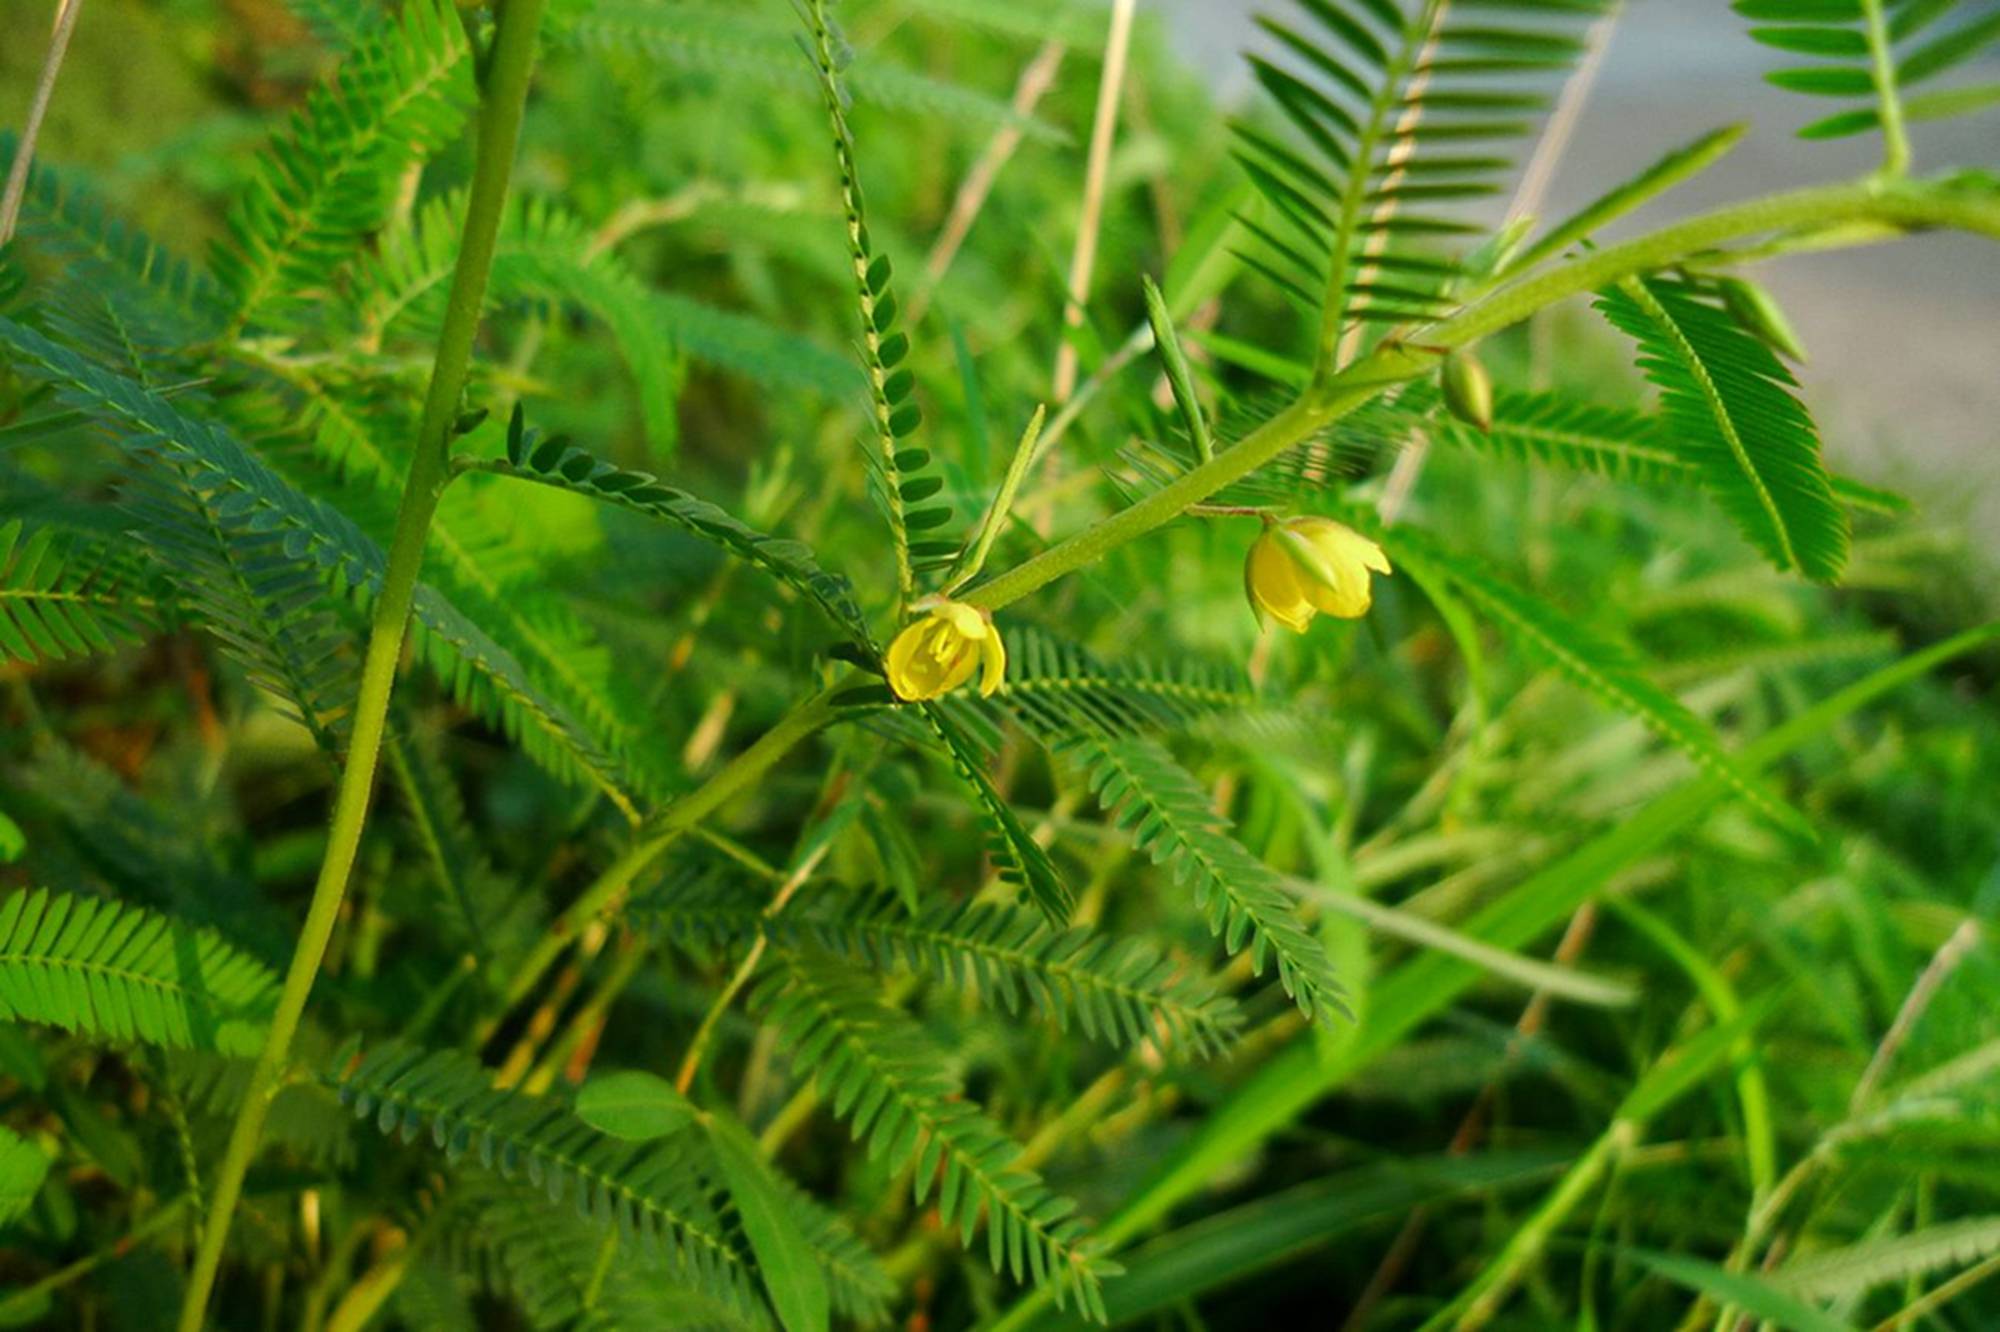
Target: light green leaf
{"points": [[112, 972], [790, 1270], [1756, 1297], [22, 1168], [633, 1106]]}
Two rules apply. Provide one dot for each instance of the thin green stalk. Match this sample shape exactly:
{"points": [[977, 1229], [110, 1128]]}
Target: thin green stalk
{"points": [[1943, 1295], [605, 893], [1477, 1307], [45, 88], [602, 1269], [1760, 1139], [697, 1047], [1882, 68], [1003, 502], [504, 100], [19, 1302]]}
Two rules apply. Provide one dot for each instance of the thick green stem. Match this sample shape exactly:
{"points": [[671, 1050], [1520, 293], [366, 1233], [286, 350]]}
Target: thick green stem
{"points": [[1397, 361], [504, 100]]}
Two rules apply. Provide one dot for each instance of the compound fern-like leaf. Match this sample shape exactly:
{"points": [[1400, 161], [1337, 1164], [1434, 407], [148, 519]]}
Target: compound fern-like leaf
{"points": [[876, 1070], [61, 597], [1117, 990], [117, 973], [555, 462], [404, 92], [1054, 686], [1728, 406], [660, 1195], [1015, 852], [484, 675], [1172, 818], [648, 1191], [1596, 665], [902, 476], [1838, 37]]}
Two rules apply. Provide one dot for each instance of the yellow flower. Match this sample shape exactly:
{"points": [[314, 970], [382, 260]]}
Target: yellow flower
{"points": [[1306, 565], [938, 653]]}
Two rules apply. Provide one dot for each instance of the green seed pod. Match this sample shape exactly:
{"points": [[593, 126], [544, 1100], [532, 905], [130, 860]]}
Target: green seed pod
{"points": [[1468, 390], [1758, 313]]}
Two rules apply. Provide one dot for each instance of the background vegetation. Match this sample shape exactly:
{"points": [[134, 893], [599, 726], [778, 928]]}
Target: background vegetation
{"points": [[1589, 937]]}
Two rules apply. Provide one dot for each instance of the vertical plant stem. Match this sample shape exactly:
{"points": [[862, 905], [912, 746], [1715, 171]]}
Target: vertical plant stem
{"points": [[1103, 129], [1035, 81], [24, 152], [504, 98], [1882, 67], [1527, 201], [1484, 1299], [1943, 962]]}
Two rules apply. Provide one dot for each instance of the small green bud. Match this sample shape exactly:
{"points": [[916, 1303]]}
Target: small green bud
{"points": [[1468, 390], [1758, 313]]}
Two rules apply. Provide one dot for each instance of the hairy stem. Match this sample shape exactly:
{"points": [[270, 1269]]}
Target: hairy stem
{"points": [[1882, 68], [504, 99], [1397, 361]]}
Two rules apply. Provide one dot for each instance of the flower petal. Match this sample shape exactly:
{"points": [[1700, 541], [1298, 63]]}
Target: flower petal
{"points": [[1273, 580], [965, 621], [993, 658], [920, 659], [1344, 558], [963, 662]]}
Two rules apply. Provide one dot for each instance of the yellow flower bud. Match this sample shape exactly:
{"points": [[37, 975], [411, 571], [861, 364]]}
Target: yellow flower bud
{"points": [[938, 652], [1306, 565]]}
